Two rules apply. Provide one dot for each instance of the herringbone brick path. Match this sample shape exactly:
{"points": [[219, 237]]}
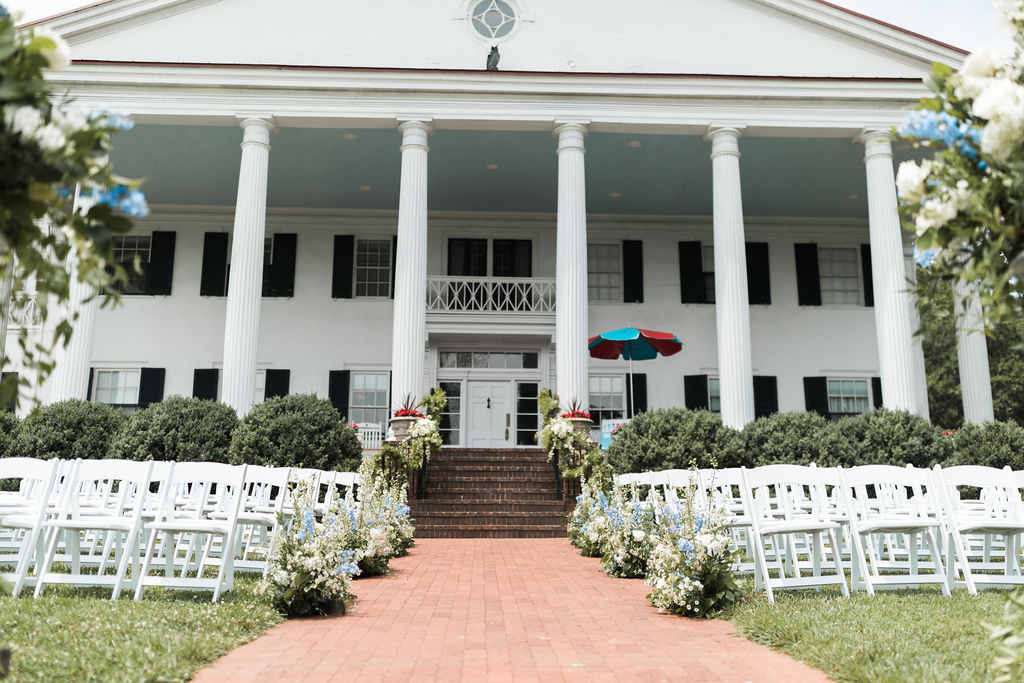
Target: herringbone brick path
{"points": [[503, 610]]}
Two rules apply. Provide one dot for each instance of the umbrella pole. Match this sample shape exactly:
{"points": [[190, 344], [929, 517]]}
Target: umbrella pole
{"points": [[631, 387]]}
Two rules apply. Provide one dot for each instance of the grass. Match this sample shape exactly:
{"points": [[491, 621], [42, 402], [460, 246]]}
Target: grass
{"points": [[904, 635], [80, 635]]}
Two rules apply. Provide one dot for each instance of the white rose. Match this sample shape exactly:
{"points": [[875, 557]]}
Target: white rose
{"points": [[50, 137], [22, 120], [59, 56], [1000, 99], [934, 213], [1008, 12], [638, 535], [910, 179], [71, 121], [1000, 138], [982, 63]]}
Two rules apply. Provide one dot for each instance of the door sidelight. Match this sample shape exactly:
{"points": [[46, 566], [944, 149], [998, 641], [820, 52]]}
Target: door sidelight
{"points": [[508, 423]]}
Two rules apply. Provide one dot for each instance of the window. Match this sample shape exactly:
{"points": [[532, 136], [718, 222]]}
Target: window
{"points": [[527, 413], [604, 272], [493, 19], [126, 249], [369, 401], [373, 268], [451, 417], [714, 395], [707, 259], [840, 275], [488, 359], [117, 387], [847, 397], [268, 262], [607, 398]]}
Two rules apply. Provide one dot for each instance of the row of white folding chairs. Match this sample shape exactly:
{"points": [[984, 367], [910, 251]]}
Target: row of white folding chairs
{"points": [[101, 514], [881, 522]]}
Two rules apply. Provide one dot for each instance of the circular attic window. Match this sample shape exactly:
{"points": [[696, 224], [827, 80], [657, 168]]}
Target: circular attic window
{"points": [[493, 19]]}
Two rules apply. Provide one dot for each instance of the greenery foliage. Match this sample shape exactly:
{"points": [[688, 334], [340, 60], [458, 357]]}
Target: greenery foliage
{"points": [[10, 425], [892, 437], [179, 429], [293, 431], [798, 438], [993, 444], [68, 429], [674, 438], [1008, 640]]}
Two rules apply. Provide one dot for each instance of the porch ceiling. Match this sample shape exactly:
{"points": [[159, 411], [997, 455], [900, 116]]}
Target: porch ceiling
{"points": [[626, 173]]}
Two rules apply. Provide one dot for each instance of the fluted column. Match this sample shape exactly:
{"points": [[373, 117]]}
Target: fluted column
{"points": [[920, 375], [409, 330], [571, 299], [972, 353], [732, 304], [70, 376], [242, 320], [893, 326]]}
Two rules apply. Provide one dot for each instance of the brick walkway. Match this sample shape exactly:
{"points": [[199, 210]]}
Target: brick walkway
{"points": [[503, 610]]}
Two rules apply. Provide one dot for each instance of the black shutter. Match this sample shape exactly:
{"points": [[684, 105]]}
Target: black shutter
{"points": [[766, 396], [632, 271], [151, 386], [759, 288], [88, 387], [344, 263], [276, 383], [808, 281], [394, 263], [865, 264], [691, 273], [204, 383], [337, 391], [876, 392], [11, 407], [636, 392], [282, 265], [816, 395], [161, 263], [695, 388], [215, 264]]}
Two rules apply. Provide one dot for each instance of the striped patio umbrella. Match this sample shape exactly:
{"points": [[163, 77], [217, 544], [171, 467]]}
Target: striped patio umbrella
{"points": [[633, 344]]}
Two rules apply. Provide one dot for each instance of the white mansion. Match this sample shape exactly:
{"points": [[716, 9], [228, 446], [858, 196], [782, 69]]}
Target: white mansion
{"points": [[398, 216]]}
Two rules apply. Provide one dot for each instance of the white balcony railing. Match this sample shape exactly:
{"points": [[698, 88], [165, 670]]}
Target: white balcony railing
{"points": [[24, 310], [490, 295]]}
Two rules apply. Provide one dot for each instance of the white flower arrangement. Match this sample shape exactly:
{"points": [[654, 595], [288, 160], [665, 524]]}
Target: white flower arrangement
{"points": [[559, 437]]}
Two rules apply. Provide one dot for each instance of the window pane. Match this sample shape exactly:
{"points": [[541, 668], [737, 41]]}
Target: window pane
{"points": [[373, 267], [839, 270], [604, 272]]}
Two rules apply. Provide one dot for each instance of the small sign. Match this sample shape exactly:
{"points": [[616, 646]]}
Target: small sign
{"points": [[608, 429]]}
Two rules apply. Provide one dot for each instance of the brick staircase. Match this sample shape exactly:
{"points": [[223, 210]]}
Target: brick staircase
{"points": [[492, 493]]}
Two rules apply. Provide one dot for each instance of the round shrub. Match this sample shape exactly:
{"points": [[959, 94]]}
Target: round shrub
{"points": [[69, 429], [670, 438], [293, 431], [179, 429], [10, 425], [798, 438], [993, 444], [894, 437]]}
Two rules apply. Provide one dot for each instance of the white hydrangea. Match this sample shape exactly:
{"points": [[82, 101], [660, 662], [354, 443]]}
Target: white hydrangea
{"points": [[1009, 13], [59, 56], [934, 213], [910, 179], [982, 63], [23, 120], [50, 138]]}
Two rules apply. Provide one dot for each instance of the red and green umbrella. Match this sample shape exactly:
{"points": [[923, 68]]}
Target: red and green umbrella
{"points": [[632, 344]]}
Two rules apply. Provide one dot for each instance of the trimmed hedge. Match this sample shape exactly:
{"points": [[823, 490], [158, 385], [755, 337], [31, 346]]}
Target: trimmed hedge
{"points": [[293, 431], [889, 437], [796, 438], [10, 426], [69, 429], [994, 444], [673, 438], [177, 428]]}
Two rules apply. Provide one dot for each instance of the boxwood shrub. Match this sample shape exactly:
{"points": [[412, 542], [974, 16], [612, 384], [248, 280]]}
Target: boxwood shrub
{"points": [[68, 429], [177, 428], [671, 438], [893, 437], [798, 438], [299, 430], [10, 425], [994, 444]]}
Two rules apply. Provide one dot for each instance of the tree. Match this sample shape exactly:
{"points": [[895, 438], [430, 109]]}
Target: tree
{"points": [[60, 202], [967, 201]]}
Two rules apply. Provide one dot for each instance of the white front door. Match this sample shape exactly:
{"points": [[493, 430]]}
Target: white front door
{"points": [[490, 415]]}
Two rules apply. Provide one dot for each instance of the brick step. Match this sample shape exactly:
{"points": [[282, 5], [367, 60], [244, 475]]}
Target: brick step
{"points": [[501, 495], [477, 468], [486, 518], [495, 477], [427, 506], [511, 531], [540, 459], [489, 452]]}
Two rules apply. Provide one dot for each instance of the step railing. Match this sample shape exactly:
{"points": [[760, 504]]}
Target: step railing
{"points": [[490, 295]]}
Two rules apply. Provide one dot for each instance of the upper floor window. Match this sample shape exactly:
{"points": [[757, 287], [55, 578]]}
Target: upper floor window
{"points": [[708, 267], [604, 272], [128, 248], [373, 267], [840, 275]]}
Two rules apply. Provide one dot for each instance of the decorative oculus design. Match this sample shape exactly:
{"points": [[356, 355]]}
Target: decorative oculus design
{"points": [[493, 19]]}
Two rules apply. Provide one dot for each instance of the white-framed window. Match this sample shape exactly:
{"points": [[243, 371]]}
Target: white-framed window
{"points": [[495, 360], [268, 262], [126, 249], [714, 395], [373, 267], [839, 270], [119, 387], [368, 401], [707, 262], [607, 397], [451, 416], [604, 272], [847, 397]]}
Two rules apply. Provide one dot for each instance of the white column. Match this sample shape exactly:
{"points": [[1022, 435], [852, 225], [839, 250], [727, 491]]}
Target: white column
{"points": [[242, 320], [893, 325], [732, 304], [409, 330], [571, 298], [70, 376], [920, 375], [972, 353]]}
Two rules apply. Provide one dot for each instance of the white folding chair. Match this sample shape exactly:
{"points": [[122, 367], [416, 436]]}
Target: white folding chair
{"points": [[979, 529], [215, 495], [887, 504], [265, 491], [723, 487], [774, 499], [22, 520]]}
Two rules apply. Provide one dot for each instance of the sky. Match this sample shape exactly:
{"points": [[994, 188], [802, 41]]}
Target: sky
{"points": [[966, 24]]}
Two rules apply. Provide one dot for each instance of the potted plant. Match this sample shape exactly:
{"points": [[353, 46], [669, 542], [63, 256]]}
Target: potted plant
{"points": [[579, 418], [403, 418]]}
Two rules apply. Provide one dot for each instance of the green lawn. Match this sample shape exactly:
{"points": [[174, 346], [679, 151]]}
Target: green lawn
{"points": [[76, 635], [906, 635]]}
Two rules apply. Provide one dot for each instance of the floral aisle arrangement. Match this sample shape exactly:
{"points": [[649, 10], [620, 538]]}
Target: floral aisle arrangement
{"points": [[382, 520], [589, 519], [313, 560], [967, 201], [423, 439], [629, 535]]}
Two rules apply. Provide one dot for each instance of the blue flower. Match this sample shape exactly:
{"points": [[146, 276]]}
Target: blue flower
{"points": [[939, 126], [925, 258]]}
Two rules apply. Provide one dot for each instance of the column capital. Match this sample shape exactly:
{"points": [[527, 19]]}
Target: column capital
{"points": [[256, 128], [724, 140], [415, 132], [876, 141], [570, 134]]}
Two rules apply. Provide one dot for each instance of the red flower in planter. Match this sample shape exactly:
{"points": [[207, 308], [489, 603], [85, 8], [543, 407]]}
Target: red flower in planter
{"points": [[407, 412], [353, 426], [576, 414]]}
